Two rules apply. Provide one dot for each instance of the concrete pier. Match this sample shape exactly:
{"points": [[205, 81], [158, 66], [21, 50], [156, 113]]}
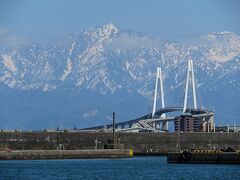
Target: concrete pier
{"points": [[210, 157], [65, 154]]}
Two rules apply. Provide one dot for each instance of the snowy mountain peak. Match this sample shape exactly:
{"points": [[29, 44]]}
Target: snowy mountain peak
{"points": [[224, 36], [100, 55], [110, 28], [106, 32]]}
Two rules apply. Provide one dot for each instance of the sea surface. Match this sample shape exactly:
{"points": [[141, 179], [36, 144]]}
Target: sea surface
{"points": [[134, 168]]}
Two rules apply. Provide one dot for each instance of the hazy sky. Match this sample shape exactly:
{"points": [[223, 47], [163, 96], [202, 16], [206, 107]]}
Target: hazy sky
{"points": [[47, 20]]}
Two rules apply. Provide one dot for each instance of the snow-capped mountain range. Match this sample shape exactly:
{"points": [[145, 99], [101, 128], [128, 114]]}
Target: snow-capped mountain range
{"points": [[108, 69]]}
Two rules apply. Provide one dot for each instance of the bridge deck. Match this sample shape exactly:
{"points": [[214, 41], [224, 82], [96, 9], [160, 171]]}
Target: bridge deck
{"points": [[145, 120]]}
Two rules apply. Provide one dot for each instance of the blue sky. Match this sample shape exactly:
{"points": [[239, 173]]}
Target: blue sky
{"points": [[48, 20]]}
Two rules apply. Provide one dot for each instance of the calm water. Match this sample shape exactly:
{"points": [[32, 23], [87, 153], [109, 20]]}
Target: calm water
{"points": [[135, 168]]}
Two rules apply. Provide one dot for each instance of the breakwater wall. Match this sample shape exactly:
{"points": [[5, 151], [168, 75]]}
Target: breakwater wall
{"points": [[64, 154], [142, 143]]}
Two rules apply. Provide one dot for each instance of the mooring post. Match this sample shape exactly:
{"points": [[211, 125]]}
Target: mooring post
{"points": [[113, 126]]}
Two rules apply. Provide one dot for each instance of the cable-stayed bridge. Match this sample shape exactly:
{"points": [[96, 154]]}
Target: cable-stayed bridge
{"points": [[157, 120]]}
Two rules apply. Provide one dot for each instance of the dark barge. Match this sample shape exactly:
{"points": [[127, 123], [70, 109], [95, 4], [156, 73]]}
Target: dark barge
{"points": [[205, 156]]}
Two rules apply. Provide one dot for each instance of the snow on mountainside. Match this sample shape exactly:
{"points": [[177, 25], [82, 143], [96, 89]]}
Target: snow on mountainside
{"points": [[225, 46], [108, 62]]}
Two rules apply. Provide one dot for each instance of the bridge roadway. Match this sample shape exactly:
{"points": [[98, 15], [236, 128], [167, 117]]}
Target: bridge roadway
{"points": [[146, 122]]}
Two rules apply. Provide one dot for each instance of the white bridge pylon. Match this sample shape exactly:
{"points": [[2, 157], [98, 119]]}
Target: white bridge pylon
{"points": [[160, 80], [190, 69]]}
